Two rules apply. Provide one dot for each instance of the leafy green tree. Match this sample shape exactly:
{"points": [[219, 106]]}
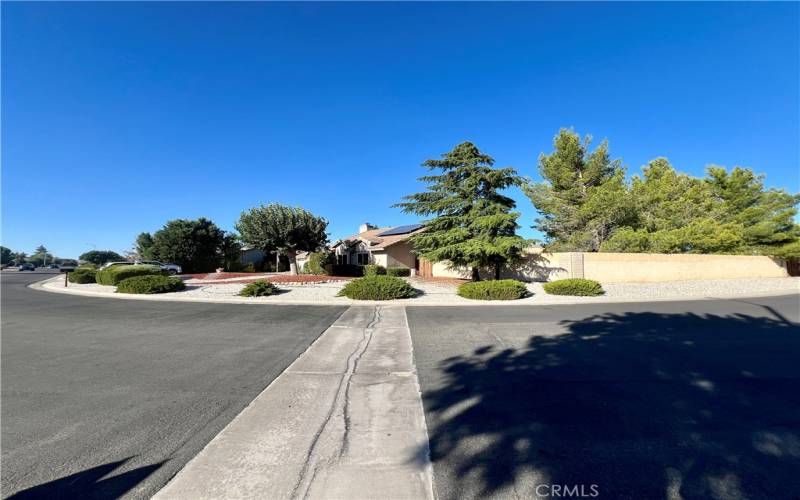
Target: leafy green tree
{"points": [[6, 255], [195, 245], [286, 229], [474, 225], [144, 242], [100, 257], [20, 257], [583, 197], [231, 250]]}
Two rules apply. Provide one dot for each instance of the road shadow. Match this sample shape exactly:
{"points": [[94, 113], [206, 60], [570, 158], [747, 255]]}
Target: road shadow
{"points": [[641, 405], [90, 483]]}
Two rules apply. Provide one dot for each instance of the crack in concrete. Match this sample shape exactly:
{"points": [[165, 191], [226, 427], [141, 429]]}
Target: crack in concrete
{"points": [[341, 399]]}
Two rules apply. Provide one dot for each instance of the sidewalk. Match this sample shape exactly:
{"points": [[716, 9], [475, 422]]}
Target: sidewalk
{"points": [[345, 420]]}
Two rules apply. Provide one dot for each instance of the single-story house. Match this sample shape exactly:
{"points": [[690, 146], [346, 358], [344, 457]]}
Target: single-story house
{"points": [[385, 246]]}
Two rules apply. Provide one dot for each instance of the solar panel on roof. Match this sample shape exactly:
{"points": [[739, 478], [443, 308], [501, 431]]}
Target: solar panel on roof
{"points": [[401, 230]]}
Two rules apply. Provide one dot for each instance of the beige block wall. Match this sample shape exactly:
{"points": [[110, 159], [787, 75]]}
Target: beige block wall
{"points": [[631, 267], [645, 268]]}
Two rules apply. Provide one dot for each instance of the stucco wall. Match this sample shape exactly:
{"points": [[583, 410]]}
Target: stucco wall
{"points": [[619, 267], [399, 255], [379, 258], [632, 267]]}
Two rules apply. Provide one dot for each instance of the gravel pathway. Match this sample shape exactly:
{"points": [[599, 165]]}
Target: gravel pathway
{"points": [[445, 294]]}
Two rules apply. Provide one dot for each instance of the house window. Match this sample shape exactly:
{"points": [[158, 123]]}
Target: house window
{"points": [[363, 258], [342, 259]]}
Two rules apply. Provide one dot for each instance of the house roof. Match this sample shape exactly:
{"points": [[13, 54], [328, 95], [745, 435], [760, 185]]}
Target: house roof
{"points": [[376, 240]]}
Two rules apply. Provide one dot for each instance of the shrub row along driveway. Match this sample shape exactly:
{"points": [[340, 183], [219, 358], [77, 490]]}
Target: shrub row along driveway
{"points": [[105, 398], [699, 399]]}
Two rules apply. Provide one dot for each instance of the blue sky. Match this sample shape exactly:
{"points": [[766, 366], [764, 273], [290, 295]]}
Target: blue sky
{"points": [[117, 117]]}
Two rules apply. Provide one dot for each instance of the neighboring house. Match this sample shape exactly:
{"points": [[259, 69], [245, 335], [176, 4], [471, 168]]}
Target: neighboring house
{"points": [[385, 246]]}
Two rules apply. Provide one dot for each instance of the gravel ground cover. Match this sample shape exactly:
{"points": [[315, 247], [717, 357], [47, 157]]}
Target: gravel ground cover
{"points": [[444, 293]]}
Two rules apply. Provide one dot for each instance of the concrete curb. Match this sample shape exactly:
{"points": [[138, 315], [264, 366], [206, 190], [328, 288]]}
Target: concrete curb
{"points": [[39, 285]]}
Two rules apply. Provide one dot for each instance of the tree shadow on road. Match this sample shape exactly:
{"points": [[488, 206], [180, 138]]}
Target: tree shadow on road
{"points": [[90, 483], [642, 405]]}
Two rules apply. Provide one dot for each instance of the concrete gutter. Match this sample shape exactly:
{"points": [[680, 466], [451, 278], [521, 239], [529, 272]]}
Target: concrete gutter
{"points": [[407, 302], [345, 420]]}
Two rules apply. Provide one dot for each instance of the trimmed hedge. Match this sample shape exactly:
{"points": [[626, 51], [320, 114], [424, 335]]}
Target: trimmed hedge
{"points": [[260, 288], [493, 290], [114, 274], [398, 271], [319, 263], [150, 283], [574, 286], [374, 270], [377, 288], [82, 275]]}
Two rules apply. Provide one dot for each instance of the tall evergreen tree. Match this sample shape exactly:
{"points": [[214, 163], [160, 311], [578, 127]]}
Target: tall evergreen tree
{"points": [[725, 212], [766, 216], [5, 255], [583, 197], [473, 224]]}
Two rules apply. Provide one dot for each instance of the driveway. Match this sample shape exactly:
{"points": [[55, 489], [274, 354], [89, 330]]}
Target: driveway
{"points": [[104, 398], [664, 400]]}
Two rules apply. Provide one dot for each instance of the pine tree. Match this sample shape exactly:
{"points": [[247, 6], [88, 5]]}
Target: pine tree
{"points": [[473, 225], [583, 197]]}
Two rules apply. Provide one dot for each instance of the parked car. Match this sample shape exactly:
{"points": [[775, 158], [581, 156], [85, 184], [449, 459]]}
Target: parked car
{"points": [[170, 268], [26, 267], [53, 266], [110, 264]]}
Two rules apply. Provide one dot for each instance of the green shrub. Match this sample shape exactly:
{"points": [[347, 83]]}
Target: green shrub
{"points": [[574, 286], [493, 290], [347, 270], [377, 288], [82, 275], [258, 289], [249, 268], [374, 270], [114, 274], [150, 283], [319, 263], [398, 271]]}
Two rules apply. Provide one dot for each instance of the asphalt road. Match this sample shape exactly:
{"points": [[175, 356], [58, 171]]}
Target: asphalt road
{"points": [[103, 398], [663, 400]]}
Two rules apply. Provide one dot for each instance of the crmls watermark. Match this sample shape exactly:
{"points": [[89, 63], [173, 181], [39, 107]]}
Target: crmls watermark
{"points": [[567, 490]]}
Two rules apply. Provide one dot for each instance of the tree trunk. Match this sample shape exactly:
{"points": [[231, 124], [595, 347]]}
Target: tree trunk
{"points": [[292, 262], [475, 274], [497, 271]]}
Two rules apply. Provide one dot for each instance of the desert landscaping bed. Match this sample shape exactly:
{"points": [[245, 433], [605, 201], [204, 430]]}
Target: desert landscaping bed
{"points": [[324, 290]]}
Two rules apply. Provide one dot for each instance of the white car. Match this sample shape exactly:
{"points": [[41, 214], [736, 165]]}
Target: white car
{"points": [[170, 268]]}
